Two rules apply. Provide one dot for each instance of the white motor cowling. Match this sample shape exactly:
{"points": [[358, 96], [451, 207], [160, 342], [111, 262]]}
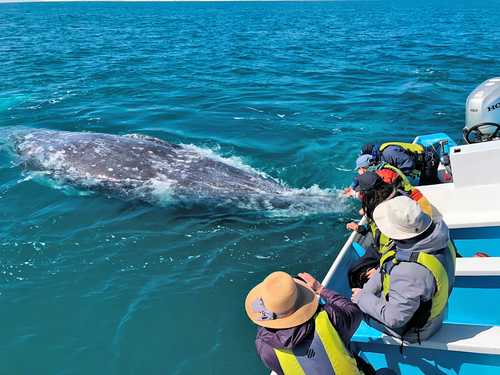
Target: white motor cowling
{"points": [[482, 112]]}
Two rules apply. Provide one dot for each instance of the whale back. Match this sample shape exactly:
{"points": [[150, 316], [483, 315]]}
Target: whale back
{"points": [[99, 156], [139, 166]]}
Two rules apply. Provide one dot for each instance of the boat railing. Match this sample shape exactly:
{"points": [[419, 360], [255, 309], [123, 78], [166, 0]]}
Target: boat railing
{"points": [[347, 247]]}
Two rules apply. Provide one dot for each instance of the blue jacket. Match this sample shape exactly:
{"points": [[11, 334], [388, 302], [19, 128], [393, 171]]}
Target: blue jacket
{"points": [[395, 156]]}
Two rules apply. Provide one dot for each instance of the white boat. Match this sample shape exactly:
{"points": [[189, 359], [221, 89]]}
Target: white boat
{"points": [[469, 341]]}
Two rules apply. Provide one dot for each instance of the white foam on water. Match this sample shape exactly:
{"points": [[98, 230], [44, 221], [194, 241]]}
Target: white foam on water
{"points": [[263, 256], [45, 179], [233, 161], [295, 202], [255, 109], [311, 201], [343, 169], [160, 189]]}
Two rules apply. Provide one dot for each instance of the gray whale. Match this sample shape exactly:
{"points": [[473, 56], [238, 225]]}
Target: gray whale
{"points": [[155, 171], [141, 167]]}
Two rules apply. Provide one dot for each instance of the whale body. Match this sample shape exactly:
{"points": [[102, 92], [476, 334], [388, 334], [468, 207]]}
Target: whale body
{"points": [[146, 168]]}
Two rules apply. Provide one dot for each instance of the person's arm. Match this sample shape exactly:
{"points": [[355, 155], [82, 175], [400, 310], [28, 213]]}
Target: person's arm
{"points": [[355, 183], [409, 283], [372, 286], [422, 201], [351, 190], [268, 357], [361, 229], [344, 314]]}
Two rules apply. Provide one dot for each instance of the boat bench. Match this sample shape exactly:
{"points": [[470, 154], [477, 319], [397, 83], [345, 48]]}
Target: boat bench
{"points": [[463, 338], [456, 337], [477, 266]]}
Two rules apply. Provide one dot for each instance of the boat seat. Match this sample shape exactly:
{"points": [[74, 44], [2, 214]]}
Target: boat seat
{"points": [[456, 337], [477, 266], [464, 207]]}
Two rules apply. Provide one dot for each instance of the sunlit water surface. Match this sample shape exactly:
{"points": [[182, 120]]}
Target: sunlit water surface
{"points": [[91, 284]]}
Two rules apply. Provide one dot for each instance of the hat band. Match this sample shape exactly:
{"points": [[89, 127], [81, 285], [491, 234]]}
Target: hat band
{"points": [[266, 314]]}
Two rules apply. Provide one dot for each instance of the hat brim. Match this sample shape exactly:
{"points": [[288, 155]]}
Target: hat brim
{"points": [[361, 166], [393, 230], [306, 306]]}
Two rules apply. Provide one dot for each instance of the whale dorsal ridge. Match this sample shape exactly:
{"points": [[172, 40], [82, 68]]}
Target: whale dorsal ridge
{"points": [[149, 138]]}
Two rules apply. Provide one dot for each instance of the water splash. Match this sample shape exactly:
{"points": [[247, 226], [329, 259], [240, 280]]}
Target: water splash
{"points": [[311, 201]]}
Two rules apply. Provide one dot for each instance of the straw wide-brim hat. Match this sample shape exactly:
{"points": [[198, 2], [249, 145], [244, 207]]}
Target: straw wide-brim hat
{"points": [[401, 218], [280, 302]]}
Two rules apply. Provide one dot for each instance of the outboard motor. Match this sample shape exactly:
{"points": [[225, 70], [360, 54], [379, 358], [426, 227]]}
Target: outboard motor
{"points": [[482, 113]]}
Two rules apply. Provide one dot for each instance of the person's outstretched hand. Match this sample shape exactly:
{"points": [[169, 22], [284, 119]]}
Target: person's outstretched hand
{"points": [[348, 192], [314, 284], [352, 226]]}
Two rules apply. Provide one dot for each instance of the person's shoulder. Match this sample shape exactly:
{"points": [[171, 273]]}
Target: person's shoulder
{"points": [[263, 347], [261, 333], [410, 270]]}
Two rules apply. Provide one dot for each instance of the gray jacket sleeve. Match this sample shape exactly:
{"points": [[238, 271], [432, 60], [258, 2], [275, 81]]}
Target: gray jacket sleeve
{"points": [[410, 283]]}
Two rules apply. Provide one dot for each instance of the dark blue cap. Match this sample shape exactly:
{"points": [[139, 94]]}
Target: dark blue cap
{"points": [[369, 181]]}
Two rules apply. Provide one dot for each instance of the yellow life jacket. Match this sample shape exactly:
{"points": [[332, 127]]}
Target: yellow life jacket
{"points": [[381, 241], [408, 188], [326, 354], [418, 151], [429, 261], [405, 183], [414, 148]]}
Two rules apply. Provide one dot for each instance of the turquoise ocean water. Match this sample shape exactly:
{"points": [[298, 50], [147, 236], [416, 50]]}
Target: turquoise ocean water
{"points": [[90, 284]]}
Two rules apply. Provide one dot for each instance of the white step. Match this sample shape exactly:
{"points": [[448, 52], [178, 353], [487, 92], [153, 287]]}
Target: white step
{"points": [[478, 266], [461, 338], [466, 207]]}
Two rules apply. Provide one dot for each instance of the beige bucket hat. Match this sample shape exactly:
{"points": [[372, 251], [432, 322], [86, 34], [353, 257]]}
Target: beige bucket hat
{"points": [[401, 218], [281, 301]]}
